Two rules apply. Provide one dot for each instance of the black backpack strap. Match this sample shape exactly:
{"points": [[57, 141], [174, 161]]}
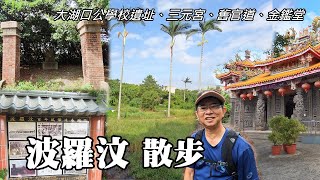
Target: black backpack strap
{"points": [[199, 135], [227, 147]]}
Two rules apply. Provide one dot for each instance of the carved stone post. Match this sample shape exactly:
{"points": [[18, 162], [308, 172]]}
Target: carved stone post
{"points": [[260, 110], [299, 106]]}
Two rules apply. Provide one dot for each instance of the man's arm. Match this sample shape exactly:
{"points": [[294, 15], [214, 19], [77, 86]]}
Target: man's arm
{"points": [[188, 173], [247, 168]]}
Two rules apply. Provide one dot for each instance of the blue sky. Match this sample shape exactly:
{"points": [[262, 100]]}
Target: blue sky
{"points": [[147, 47]]}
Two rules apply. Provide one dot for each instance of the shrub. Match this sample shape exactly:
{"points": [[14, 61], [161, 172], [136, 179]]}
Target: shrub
{"points": [[291, 131], [285, 130], [3, 174], [135, 102], [275, 137], [150, 99]]}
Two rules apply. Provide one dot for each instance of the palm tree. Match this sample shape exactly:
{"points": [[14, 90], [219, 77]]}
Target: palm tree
{"points": [[204, 27], [124, 34], [175, 28], [187, 80]]}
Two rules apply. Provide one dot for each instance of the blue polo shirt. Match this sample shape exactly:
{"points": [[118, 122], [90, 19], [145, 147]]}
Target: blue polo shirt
{"points": [[242, 155]]}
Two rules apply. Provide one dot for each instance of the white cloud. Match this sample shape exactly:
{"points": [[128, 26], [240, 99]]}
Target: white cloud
{"points": [[226, 50], [115, 54], [134, 36], [131, 53], [154, 41], [256, 24], [184, 57], [158, 47]]}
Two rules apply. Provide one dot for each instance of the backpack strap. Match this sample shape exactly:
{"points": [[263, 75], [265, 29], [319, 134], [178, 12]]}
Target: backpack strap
{"points": [[227, 147], [226, 150], [199, 135]]}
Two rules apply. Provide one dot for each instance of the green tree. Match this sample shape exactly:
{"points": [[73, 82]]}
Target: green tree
{"points": [[204, 27], [173, 29], [187, 80], [150, 99], [149, 83], [124, 35], [279, 42], [40, 31]]}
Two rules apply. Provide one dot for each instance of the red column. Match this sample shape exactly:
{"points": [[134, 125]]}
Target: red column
{"points": [[3, 143], [97, 124]]}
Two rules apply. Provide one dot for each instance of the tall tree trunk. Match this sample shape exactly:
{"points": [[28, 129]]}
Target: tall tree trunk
{"points": [[121, 77], [201, 59], [169, 100]]}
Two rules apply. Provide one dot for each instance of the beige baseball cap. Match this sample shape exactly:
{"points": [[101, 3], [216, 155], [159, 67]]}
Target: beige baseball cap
{"points": [[209, 93]]}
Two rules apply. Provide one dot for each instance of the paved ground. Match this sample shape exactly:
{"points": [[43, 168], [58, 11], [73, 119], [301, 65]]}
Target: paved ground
{"points": [[305, 166]]}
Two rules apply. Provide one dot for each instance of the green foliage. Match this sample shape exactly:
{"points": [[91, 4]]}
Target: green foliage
{"points": [[39, 85], [285, 130], [149, 83], [148, 95], [40, 31], [276, 138], [3, 174], [150, 99], [279, 42], [291, 131], [53, 86], [277, 123]]}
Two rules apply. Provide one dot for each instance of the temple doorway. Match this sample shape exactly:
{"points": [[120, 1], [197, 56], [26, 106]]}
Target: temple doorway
{"points": [[289, 105]]}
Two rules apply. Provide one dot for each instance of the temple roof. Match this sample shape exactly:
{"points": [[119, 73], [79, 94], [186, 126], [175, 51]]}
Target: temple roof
{"points": [[248, 63], [267, 78], [288, 56], [228, 74], [50, 103]]}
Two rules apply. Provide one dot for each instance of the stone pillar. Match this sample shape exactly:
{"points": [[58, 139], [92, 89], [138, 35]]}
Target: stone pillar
{"points": [[97, 124], [260, 113], [49, 62], [3, 143], [91, 50], [11, 51], [299, 106]]}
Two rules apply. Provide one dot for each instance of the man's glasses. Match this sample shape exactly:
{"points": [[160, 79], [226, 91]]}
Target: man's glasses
{"points": [[212, 107]]}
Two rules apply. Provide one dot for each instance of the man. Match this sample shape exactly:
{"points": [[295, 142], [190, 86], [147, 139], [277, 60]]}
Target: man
{"points": [[210, 111]]}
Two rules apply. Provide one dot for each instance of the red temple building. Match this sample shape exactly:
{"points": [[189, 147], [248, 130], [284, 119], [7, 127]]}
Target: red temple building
{"points": [[287, 85]]}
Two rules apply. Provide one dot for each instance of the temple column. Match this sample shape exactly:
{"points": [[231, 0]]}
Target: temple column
{"points": [[97, 128], [299, 106], [260, 113], [3, 143]]}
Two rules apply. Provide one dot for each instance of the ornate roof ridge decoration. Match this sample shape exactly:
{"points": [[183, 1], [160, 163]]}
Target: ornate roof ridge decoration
{"points": [[50, 103], [266, 78], [287, 56], [245, 63], [224, 75], [249, 63]]}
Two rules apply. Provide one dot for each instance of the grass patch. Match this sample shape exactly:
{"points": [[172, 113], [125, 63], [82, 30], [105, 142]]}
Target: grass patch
{"points": [[137, 125], [43, 85]]}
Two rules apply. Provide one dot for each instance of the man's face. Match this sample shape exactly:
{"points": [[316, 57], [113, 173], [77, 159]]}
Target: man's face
{"points": [[210, 112]]}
